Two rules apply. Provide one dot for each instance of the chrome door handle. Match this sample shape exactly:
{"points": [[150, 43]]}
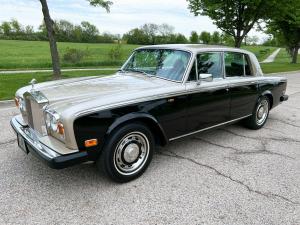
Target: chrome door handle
{"points": [[170, 100]]}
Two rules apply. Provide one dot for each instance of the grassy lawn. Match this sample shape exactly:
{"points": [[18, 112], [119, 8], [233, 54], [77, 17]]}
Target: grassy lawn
{"points": [[282, 63], [261, 52], [10, 83], [36, 54]]}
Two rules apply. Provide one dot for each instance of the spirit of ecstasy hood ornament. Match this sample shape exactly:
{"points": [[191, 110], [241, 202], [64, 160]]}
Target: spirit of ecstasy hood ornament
{"points": [[32, 82]]}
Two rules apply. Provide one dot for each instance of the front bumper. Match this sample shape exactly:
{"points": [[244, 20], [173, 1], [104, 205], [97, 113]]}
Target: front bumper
{"points": [[43, 152]]}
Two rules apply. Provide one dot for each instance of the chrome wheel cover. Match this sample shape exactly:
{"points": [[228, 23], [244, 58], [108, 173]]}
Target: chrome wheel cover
{"points": [[131, 153], [262, 112]]}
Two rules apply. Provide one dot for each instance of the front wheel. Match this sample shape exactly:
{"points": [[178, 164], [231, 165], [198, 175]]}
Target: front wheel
{"points": [[127, 153], [260, 114]]}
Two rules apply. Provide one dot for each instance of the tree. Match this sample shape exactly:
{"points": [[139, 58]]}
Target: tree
{"points": [[52, 42], [89, 31], [216, 38], [136, 36], [150, 34], [227, 39], [151, 30], [51, 33], [63, 30], [205, 37], [6, 28], [286, 27], [235, 18], [29, 30], [180, 39], [194, 38], [165, 30], [16, 26], [251, 40]]}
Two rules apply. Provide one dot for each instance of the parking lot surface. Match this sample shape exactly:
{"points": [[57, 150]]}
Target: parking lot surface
{"points": [[227, 176]]}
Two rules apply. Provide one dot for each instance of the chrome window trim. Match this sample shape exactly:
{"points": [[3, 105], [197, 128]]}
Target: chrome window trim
{"points": [[244, 61], [208, 128], [196, 63], [188, 67]]}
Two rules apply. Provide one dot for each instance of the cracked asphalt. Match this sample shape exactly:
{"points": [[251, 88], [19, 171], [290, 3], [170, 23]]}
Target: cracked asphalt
{"points": [[227, 176]]}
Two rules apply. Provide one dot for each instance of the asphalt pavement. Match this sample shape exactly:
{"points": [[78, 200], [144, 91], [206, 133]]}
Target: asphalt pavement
{"points": [[227, 176]]}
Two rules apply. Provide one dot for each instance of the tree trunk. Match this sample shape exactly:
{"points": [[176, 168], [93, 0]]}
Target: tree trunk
{"points": [[238, 42], [295, 55], [53, 46]]}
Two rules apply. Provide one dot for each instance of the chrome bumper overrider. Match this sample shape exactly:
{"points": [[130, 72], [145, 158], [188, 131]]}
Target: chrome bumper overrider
{"points": [[48, 155]]}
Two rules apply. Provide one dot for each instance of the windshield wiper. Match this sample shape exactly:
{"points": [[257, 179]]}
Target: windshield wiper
{"points": [[139, 71]]}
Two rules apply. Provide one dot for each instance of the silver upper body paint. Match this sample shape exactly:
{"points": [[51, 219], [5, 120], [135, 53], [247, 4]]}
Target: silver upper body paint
{"points": [[73, 98]]}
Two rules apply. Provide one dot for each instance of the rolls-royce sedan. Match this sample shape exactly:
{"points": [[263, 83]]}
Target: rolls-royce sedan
{"points": [[161, 93]]}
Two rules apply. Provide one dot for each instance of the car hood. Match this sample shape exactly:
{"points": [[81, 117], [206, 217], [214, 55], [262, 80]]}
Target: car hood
{"points": [[91, 92]]}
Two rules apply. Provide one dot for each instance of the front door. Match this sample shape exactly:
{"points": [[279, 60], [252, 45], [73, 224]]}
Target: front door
{"points": [[208, 102]]}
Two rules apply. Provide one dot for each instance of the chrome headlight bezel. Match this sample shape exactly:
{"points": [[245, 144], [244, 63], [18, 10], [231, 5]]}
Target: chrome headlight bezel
{"points": [[20, 102], [53, 124]]}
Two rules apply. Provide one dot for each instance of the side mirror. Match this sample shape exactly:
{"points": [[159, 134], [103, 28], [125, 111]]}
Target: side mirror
{"points": [[205, 77]]}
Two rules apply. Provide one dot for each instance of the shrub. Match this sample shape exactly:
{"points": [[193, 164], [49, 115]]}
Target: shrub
{"points": [[115, 52], [73, 55]]}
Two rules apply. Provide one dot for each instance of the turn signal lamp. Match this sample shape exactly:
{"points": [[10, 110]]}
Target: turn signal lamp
{"points": [[60, 129], [91, 143], [17, 102]]}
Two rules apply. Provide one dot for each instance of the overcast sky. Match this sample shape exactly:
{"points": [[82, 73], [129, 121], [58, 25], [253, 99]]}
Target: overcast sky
{"points": [[124, 15]]}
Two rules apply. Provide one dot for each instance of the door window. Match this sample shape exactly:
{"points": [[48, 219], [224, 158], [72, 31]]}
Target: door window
{"points": [[236, 64], [207, 63]]}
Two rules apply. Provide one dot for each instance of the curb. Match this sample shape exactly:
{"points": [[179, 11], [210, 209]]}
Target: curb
{"points": [[7, 103], [286, 72]]}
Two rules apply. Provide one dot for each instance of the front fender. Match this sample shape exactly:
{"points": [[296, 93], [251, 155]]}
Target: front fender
{"points": [[148, 119]]}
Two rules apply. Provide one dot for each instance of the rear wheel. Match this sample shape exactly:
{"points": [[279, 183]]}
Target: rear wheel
{"points": [[260, 114], [127, 153]]}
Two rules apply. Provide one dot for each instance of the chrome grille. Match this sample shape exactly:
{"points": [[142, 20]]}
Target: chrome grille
{"points": [[34, 102], [29, 118]]}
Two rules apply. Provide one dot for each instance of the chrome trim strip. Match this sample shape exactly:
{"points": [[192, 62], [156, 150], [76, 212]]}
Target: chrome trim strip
{"points": [[190, 89], [32, 138], [218, 125], [187, 69], [207, 86], [151, 98]]}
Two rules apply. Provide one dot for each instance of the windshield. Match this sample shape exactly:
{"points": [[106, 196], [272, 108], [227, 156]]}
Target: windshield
{"points": [[165, 63]]}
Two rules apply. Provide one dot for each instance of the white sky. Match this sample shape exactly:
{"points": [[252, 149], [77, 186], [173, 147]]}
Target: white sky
{"points": [[124, 16]]}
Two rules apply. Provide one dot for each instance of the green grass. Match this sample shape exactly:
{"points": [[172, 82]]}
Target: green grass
{"points": [[282, 63], [10, 83], [261, 52], [36, 54]]}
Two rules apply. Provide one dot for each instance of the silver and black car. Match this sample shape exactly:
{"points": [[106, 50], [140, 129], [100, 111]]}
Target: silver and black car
{"points": [[162, 93]]}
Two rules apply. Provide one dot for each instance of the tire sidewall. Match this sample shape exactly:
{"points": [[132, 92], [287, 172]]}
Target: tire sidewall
{"points": [[254, 119], [108, 153]]}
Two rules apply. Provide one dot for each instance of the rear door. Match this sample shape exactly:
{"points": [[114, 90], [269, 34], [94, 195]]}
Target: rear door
{"points": [[242, 84]]}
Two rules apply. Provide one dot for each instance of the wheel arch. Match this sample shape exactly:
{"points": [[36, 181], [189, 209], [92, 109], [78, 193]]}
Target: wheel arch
{"points": [[269, 95], [149, 120]]}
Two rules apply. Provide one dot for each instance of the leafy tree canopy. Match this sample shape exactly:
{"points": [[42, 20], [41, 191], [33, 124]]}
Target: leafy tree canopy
{"points": [[104, 4], [286, 27], [235, 17]]}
